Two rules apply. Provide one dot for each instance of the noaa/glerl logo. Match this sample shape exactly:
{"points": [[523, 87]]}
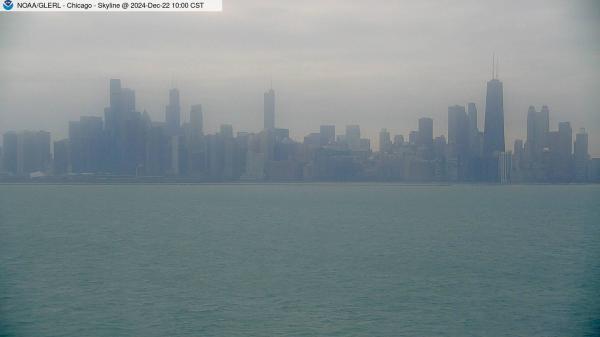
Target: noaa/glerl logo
{"points": [[8, 4]]}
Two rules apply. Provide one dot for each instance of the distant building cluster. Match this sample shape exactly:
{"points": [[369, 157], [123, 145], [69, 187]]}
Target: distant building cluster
{"points": [[128, 144]]}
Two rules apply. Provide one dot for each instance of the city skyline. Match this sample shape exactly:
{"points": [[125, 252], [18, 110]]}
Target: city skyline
{"points": [[182, 114], [386, 65], [128, 142]]}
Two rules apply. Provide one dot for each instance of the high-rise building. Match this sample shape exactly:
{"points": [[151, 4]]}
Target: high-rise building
{"points": [[269, 110], [531, 131], [458, 139], [538, 126], [564, 164], [113, 112], [365, 144], [398, 140], [173, 113], [26, 152], [493, 133], [158, 151], [86, 145], [196, 119], [581, 156], [504, 167], [226, 130], [327, 134], [122, 126], [128, 100], [566, 139], [458, 131], [473, 129], [472, 116], [518, 154], [61, 161], [385, 141], [425, 135], [353, 137], [10, 151], [412, 137]]}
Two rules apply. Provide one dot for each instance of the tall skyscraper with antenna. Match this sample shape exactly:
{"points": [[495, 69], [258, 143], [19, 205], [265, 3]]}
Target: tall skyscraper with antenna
{"points": [[493, 133]]}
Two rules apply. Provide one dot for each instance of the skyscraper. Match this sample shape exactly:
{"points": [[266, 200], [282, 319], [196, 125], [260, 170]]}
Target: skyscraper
{"points": [[327, 133], [458, 130], [538, 127], [113, 112], [85, 144], [493, 133], [474, 139], [385, 141], [504, 167], [472, 116], [128, 99], [458, 138], [581, 156], [565, 151], [269, 110], [26, 152], [173, 113], [10, 152], [412, 137], [425, 135], [61, 157], [196, 119], [353, 137]]}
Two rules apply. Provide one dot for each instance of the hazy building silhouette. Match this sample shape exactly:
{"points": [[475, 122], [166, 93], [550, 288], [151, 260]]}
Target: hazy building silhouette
{"points": [[425, 133], [385, 141], [173, 113], [412, 137], [475, 140], [86, 145], [61, 161], [563, 157], [493, 132], [504, 167], [353, 137], [197, 119], [158, 150], [458, 130], [581, 156], [458, 139], [398, 140], [196, 148], [10, 152], [26, 152], [127, 142], [327, 134], [538, 126]]}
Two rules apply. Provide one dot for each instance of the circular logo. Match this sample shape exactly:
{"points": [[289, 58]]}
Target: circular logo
{"points": [[8, 4]]}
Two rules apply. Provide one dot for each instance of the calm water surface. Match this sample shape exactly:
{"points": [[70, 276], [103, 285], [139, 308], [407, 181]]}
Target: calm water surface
{"points": [[299, 260]]}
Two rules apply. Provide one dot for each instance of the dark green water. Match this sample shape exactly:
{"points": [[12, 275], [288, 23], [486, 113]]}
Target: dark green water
{"points": [[299, 260]]}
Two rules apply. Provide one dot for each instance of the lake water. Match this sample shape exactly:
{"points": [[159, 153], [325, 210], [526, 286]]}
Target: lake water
{"points": [[299, 260]]}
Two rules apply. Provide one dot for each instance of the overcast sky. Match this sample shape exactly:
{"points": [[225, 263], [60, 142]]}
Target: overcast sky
{"points": [[374, 63]]}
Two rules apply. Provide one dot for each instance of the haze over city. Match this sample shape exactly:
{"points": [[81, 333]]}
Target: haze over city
{"points": [[299, 168], [331, 63]]}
